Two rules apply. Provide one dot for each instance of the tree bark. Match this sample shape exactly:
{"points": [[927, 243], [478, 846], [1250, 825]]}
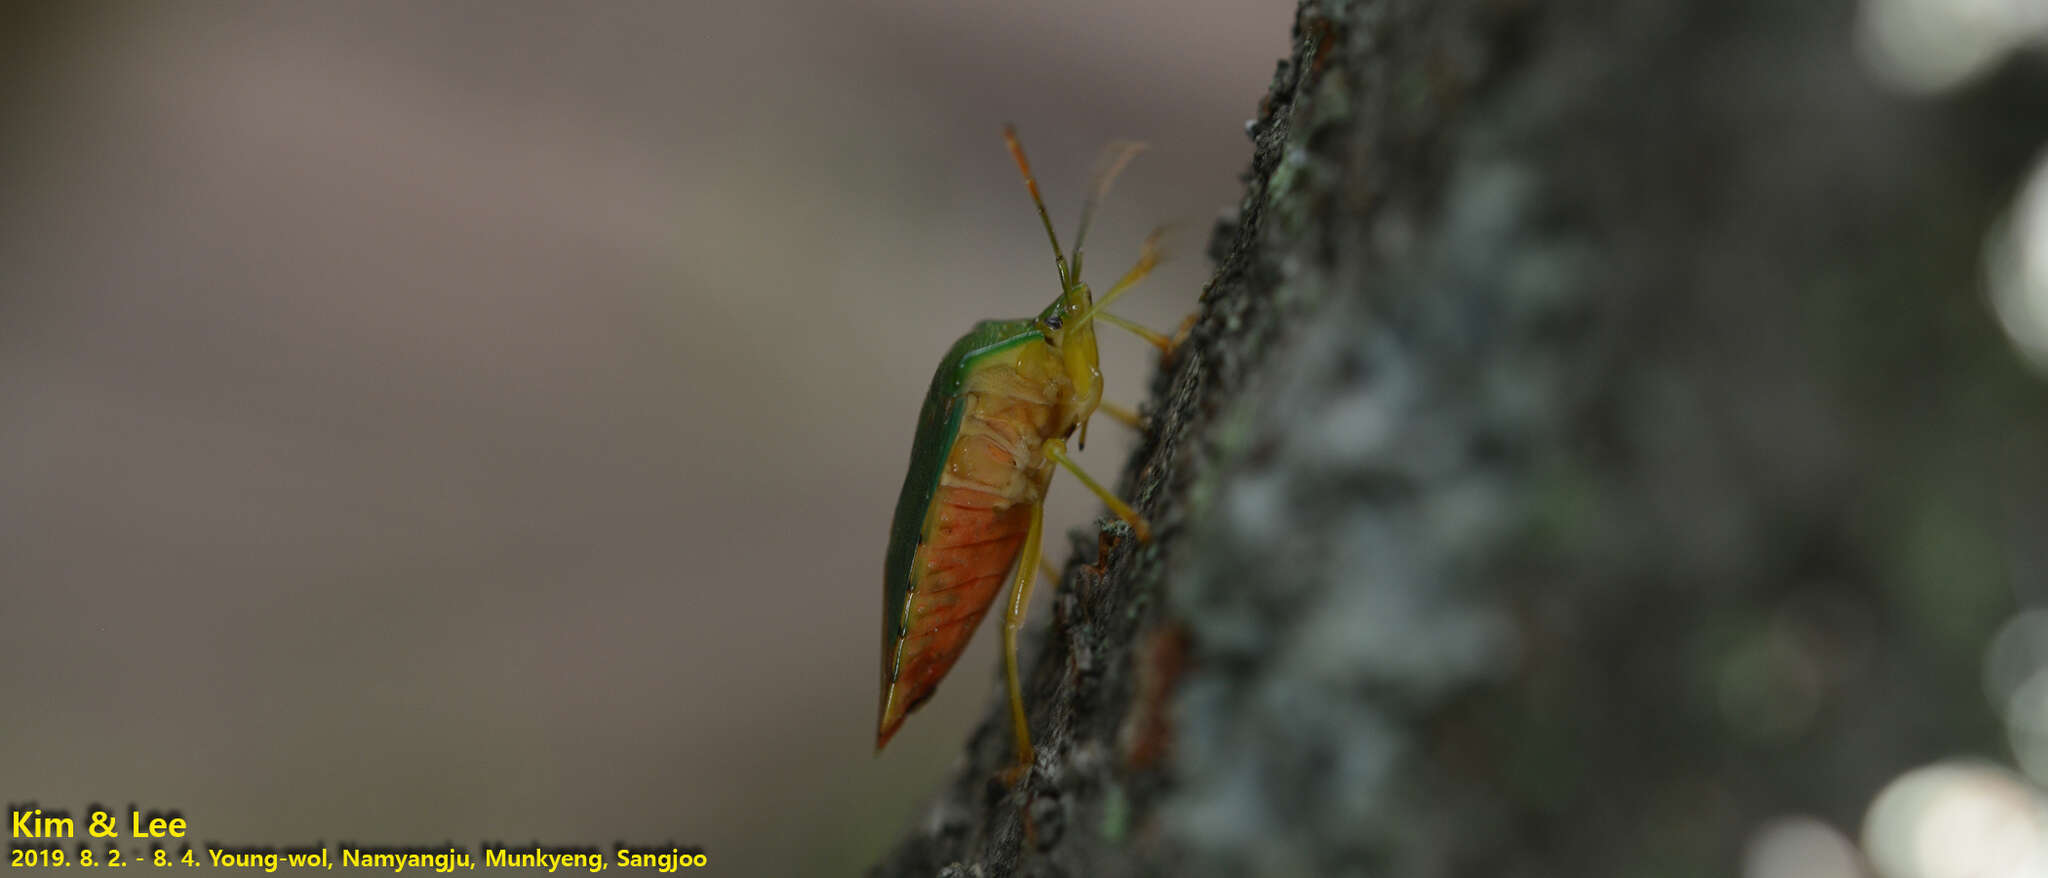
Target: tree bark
{"points": [[1593, 444]]}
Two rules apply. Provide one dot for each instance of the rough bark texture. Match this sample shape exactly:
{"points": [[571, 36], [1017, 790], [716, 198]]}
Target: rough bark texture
{"points": [[1594, 443]]}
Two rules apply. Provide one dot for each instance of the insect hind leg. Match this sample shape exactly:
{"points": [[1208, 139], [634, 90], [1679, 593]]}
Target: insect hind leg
{"points": [[1020, 599]]}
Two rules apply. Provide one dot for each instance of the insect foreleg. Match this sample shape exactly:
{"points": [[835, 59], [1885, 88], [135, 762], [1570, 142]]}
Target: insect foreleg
{"points": [[1148, 259], [1156, 338]]}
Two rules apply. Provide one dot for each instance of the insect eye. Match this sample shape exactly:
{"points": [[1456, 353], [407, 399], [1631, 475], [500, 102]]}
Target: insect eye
{"points": [[1054, 321]]}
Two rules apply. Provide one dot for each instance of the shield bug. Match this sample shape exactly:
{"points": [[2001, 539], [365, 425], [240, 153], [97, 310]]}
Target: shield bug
{"points": [[993, 429]]}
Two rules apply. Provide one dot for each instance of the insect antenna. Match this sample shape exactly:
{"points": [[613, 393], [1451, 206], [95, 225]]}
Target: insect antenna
{"points": [[1111, 163], [1017, 152]]}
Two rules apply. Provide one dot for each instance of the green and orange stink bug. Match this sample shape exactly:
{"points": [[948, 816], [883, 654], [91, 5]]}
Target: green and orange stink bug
{"points": [[994, 425]]}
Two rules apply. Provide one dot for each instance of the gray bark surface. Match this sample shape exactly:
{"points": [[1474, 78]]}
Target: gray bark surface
{"points": [[1594, 443]]}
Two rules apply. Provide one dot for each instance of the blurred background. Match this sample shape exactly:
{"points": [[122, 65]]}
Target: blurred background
{"points": [[462, 421]]}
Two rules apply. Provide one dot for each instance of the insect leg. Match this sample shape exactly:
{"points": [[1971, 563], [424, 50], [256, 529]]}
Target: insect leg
{"points": [[1020, 599], [1122, 415], [1056, 449], [1148, 259], [1158, 339]]}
